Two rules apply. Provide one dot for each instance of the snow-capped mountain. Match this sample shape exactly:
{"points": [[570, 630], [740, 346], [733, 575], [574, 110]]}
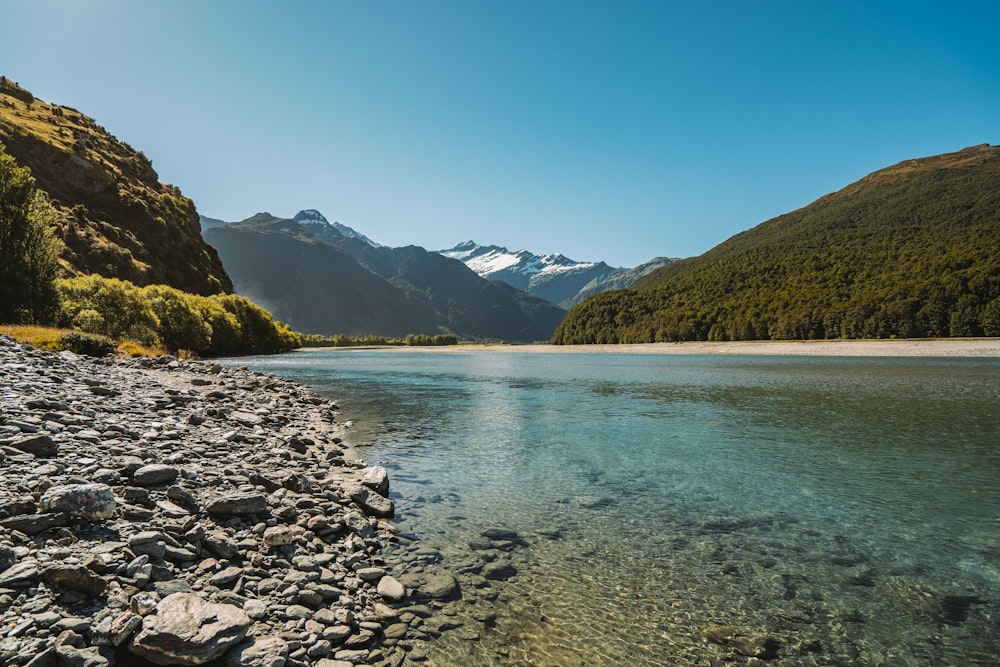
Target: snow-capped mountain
{"points": [[553, 277], [311, 216]]}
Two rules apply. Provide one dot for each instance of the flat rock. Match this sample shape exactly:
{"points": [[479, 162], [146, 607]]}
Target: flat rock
{"points": [[75, 577], [39, 445], [441, 586], [258, 652], [238, 504], [186, 630], [22, 574], [154, 474], [370, 501], [377, 479], [88, 501]]}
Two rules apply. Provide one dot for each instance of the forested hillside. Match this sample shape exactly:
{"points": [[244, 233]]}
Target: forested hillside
{"points": [[908, 251]]}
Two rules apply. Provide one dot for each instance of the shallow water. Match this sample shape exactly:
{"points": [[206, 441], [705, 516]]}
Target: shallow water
{"points": [[687, 510]]}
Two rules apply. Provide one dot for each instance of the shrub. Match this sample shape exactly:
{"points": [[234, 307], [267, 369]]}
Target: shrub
{"points": [[92, 345]]}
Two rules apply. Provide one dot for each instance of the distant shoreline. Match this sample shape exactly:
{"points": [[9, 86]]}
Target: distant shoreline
{"points": [[937, 347]]}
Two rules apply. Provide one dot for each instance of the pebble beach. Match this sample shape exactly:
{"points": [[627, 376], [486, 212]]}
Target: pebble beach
{"points": [[157, 511]]}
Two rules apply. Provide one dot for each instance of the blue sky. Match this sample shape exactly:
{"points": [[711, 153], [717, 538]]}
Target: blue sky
{"points": [[603, 130]]}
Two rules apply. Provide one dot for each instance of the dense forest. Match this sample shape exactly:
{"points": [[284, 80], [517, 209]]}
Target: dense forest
{"points": [[910, 251]]}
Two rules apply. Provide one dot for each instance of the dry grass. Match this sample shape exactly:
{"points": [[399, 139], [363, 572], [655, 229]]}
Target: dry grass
{"points": [[44, 338], [47, 338]]}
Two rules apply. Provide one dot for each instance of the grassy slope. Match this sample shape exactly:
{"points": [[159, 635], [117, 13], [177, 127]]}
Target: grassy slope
{"points": [[117, 218]]}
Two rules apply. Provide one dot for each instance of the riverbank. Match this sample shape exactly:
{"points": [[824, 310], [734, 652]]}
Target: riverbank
{"points": [[941, 347], [184, 513]]}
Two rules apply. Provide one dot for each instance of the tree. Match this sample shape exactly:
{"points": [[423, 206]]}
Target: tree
{"points": [[29, 249]]}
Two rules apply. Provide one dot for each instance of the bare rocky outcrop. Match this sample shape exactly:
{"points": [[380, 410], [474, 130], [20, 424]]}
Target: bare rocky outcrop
{"points": [[188, 514]]}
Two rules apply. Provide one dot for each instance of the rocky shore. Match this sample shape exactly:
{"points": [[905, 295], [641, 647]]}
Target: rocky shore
{"points": [[157, 511]]}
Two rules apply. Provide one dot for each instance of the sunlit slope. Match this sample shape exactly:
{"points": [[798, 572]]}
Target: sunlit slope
{"points": [[117, 219], [912, 250]]}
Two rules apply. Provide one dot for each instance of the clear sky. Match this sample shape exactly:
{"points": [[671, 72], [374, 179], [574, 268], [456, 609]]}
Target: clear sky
{"points": [[614, 130]]}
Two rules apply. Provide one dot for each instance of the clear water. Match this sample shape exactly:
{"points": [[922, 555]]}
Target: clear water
{"points": [[687, 510]]}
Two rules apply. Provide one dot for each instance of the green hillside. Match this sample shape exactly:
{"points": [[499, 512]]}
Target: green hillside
{"points": [[909, 251], [115, 217]]}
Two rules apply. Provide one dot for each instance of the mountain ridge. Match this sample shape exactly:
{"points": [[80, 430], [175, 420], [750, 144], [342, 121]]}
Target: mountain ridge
{"points": [[420, 292]]}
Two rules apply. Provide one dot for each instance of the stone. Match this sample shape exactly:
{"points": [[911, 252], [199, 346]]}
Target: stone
{"points": [[226, 577], [441, 586], [21, 574], [186, 630], [74, 577], [92, 502], [69, 656], [279, 535], [238, 504], [499, 534], [39, 445], [390, 589], [370, 501], [7, 557], [245, 418], [259, 652], [154, 474], [377, 479], [499, 571], [33, 524]]}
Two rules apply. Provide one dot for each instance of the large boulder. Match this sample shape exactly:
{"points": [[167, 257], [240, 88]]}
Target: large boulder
{"points": [[186, 630]]}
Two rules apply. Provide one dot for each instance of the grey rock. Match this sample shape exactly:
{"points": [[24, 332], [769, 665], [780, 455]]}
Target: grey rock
{"points": [[22, 574], [377, 479], [39, 445], [499, 571], [390, 589], [74, 577], [499, 534], [238, 504], [186, 630], [7, 557], [370, 501], [154, 474], [258, 652], [93, 502], [441, 586]]}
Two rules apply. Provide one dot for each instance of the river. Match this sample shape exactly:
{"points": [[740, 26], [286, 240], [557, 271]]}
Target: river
{"points": [[685, 510]]}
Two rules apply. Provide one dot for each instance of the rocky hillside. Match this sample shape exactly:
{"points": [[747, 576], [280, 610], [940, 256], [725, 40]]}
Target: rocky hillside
{"points": [[553, 277], [117, 219], [909, 251], [313, 276]]}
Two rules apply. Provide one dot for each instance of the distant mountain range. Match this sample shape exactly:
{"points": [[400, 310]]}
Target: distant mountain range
{"points": [[553, 277], [327, 278], [909, 251]]}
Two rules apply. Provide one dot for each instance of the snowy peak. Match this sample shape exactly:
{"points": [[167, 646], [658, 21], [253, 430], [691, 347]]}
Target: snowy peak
{"points": [[311, 216], [554, 277], [490, 260]]}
